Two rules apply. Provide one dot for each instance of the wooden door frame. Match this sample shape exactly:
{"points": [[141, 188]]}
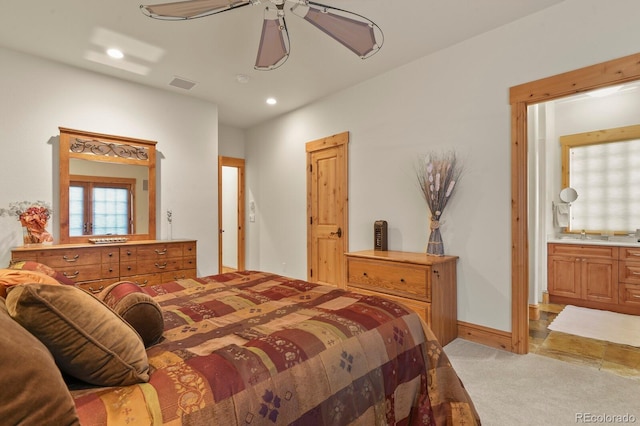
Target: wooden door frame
{"points": [[610, 73], [238, 163], [318, 145]]}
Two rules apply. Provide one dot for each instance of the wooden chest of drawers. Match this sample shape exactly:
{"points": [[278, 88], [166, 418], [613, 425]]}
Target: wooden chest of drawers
{"points": [[93, 267], [425, 284]]}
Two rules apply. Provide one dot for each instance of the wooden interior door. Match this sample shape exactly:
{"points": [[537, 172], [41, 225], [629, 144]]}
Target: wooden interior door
{"points": [[238, 233], [327, 209]]}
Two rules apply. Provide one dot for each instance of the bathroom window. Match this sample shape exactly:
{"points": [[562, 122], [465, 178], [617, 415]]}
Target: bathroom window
{"points": [[99, 206], [604, 168]]}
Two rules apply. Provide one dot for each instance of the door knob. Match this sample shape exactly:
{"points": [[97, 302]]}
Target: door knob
{"points": [[338, 233]]}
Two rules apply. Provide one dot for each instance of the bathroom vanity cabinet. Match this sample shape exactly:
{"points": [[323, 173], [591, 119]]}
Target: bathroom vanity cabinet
{"points": [[594, 276]]}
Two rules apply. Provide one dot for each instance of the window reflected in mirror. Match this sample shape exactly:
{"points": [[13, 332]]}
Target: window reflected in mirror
{"points": [[603, 167], [101, 206]]}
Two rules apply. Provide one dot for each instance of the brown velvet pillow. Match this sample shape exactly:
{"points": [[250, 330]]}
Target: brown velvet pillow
{"points": [[30, 265], [86, 338], [137, 308], [33, 388]]}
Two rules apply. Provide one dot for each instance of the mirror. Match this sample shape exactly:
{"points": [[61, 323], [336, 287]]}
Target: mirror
{"points": [[568, 195], [107, 187]]}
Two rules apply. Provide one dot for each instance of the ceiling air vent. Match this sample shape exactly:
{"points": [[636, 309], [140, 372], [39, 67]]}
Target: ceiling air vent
{"points": [[182, 83]]}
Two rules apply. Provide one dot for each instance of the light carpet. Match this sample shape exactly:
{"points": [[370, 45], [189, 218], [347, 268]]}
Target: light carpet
{"points": [[597, 324], [533, 390]]}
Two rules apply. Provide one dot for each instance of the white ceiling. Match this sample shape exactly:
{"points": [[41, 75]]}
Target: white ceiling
{"points": [[212, 51]]}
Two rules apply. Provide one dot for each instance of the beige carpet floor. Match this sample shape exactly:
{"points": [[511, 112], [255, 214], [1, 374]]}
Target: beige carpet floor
{"points": [[509, 389], [597, 324]]}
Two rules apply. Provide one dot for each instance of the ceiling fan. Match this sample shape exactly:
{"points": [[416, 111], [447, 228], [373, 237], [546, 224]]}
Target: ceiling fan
{"points": [[357, 33]]}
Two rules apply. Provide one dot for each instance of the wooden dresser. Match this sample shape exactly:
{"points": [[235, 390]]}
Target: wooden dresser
{"points": [[94, 266], [423, 283]]}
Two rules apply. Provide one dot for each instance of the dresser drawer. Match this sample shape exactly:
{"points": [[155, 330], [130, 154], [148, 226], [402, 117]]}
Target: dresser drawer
{"points": [[128, 253], [78, 273], [159, 251], [630, 253], [178, 275], [629, 272], [609, 252], [58, 259], [423, 309], [110, 270], [390, 278], [149, 266], [629, 295], [189, 249], [95, 287], [146, 279]]}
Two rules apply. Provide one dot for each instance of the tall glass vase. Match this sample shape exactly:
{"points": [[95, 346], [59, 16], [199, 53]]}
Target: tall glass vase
{"points": [[435, 245]]}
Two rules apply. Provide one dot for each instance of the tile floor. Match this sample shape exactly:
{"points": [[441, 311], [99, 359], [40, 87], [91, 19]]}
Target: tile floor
{"points": [[619, 359]]}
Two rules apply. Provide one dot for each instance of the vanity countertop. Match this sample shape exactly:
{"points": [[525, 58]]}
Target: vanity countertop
{"points": [[596, 241]]}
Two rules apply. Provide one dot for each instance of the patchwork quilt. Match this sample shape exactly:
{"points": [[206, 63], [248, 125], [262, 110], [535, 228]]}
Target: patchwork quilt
{"points": [[255, 348]]}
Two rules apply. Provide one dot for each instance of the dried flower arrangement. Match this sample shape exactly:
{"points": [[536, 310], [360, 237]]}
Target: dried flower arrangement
{"points": [[437, 175], [34, 217]]}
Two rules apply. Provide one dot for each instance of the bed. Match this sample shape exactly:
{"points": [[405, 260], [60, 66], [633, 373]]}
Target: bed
{"points": [[256, 348]]}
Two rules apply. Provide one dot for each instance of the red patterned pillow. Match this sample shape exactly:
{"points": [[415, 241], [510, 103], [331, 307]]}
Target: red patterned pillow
{"points": [[137, 308], [29, 265]]}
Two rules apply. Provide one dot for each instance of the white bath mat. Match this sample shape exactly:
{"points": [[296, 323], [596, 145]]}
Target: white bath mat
{"points": [[597, 324]]}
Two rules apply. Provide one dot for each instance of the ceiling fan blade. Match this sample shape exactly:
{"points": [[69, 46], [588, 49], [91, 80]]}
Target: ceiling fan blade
{"points": [[191, 9], [274, 43], [357, 33]]}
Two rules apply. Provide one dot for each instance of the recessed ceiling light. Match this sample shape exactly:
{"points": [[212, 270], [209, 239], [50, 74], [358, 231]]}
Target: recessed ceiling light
{"points": [[272, 101], [115, 53]]}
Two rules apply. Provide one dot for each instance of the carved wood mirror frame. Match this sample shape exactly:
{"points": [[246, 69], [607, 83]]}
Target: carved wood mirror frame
{"points": [[610, 73], [79, 144]]}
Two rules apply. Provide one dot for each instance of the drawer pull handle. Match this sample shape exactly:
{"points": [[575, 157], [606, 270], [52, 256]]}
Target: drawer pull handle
{"points": [[402, 280], [161, 266], [110, 269], [129, 268], [128, 252], [110, 254], [96, 290], [144, 283], [161, 252], [635, 273], [365, 274], [72, 276], [634, 253], [71, 260]]}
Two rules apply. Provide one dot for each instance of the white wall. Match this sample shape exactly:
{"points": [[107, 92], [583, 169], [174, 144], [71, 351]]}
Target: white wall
{"points": [[456, 98], [230, 141], [37, 96]]}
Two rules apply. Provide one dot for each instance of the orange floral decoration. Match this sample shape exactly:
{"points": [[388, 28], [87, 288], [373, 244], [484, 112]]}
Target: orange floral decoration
{"points": [[35, 219]]}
